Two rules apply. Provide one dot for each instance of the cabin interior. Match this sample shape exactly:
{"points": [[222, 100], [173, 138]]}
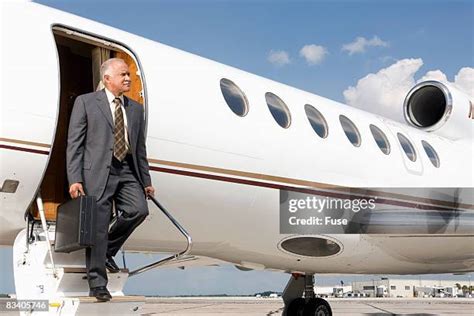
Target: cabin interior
{"points": [[80, 56]]}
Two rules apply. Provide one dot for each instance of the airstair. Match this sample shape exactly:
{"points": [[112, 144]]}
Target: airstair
{"points": [[61, 279]]}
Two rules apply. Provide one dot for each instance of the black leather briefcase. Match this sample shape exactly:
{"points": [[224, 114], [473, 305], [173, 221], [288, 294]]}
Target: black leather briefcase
{"points": [[75, 224]]}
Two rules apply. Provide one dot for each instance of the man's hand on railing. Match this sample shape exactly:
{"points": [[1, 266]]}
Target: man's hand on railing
{"points": [[150, 191]]}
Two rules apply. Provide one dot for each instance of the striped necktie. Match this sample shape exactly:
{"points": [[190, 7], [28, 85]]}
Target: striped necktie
{"points": [[120, 146]]}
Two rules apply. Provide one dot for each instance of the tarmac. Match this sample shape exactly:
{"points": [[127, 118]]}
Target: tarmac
{"points": [[229, 306]]}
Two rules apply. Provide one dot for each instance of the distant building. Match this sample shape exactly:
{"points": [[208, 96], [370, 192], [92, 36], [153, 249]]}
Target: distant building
{"points": [[335, 290], [387, 287]]}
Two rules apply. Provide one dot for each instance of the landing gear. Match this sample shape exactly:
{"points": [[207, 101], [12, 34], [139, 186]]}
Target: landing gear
{"points": [[296, 307], [309, 305], [317, 307]]}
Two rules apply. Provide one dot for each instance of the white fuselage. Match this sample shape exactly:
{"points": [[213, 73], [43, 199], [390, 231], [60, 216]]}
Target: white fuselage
{"points": [[220, 174]]}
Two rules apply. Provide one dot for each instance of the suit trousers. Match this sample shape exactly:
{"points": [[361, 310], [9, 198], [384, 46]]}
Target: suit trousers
{"points": [[124, 189]]}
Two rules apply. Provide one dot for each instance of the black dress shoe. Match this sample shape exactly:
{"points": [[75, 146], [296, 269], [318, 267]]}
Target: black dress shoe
{"points": [[111, 265], [100, 293]]}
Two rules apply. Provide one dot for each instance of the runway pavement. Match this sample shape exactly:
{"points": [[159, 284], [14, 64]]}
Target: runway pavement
{"points": [[266, 306]]}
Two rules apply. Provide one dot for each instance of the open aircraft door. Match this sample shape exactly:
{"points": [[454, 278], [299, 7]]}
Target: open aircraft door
{"points": [[80, 56]]}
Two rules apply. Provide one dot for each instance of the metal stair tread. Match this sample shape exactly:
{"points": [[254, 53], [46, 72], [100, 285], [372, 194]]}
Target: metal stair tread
{"points": [[83, 270]]}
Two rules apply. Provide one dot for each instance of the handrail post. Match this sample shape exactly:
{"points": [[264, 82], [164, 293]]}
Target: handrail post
{"points": [[39, 203]]}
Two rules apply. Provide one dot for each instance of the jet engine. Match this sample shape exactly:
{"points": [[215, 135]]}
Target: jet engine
{"points": [[439, 108]]}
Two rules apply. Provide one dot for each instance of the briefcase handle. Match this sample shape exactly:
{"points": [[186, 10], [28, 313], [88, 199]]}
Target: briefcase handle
{"points": [[80, 194]]}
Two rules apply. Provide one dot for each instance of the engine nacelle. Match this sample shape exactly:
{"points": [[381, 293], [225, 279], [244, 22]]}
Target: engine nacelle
{"points": [[437, 107]]}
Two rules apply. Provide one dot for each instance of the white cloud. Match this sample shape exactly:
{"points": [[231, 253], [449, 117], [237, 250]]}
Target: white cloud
{"points": [[278, 57], [434, 75], [360, 44], [464, 80], [314, 54], [383, 92]]}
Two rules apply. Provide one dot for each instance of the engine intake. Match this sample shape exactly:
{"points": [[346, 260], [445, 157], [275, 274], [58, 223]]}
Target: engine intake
{"points": [[433, 106]]}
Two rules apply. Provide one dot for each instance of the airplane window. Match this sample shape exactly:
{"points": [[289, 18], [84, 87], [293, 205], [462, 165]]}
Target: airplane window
{"points": [[317, 121], [431, 153], [235, 98], [350, 130], [380, 139], [279, 110], [407, 147]]}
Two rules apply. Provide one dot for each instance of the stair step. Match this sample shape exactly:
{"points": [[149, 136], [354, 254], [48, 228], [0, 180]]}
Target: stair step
{"points": [[74, 283], [85, 305], [116, 299], [83, 270]]}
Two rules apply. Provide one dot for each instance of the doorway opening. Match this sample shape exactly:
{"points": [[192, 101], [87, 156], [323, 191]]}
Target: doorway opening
{"points": [[80, 57]]}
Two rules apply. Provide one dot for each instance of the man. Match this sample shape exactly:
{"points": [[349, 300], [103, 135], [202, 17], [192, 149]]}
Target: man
{"points": [[106, 158]]}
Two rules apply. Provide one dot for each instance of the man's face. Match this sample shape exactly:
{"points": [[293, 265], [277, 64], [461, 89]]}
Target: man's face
{"points": [[118, 79]]}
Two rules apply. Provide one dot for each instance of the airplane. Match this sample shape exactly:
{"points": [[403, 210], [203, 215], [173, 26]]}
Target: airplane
{"points": [[226, 150]]}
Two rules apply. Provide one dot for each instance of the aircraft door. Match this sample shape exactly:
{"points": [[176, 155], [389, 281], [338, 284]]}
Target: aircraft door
{"points": [[80, 56]]}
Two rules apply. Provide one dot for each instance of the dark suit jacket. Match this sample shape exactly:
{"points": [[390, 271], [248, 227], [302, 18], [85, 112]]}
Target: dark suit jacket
{"points": [[90, 142]]}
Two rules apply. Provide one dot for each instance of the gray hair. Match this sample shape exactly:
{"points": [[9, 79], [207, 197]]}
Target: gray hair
{"points": [[105, 67]]}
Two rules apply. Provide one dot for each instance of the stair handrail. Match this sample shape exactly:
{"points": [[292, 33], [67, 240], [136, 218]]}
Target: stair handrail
{"points": [[170, 258], [40, 205]]}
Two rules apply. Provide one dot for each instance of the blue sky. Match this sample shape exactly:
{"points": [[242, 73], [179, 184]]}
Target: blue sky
{"points": [[409, 38], [242, 33]]}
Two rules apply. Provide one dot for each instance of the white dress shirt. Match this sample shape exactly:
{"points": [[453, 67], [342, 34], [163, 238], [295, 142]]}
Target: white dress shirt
{"points": [[110, 98]]}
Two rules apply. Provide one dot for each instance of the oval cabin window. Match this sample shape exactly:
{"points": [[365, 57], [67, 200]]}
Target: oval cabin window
{"points": [[431, 153], [278, 109], [317, 121], [235, 98], [350, 130], [380, 139], [407, 147]]}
